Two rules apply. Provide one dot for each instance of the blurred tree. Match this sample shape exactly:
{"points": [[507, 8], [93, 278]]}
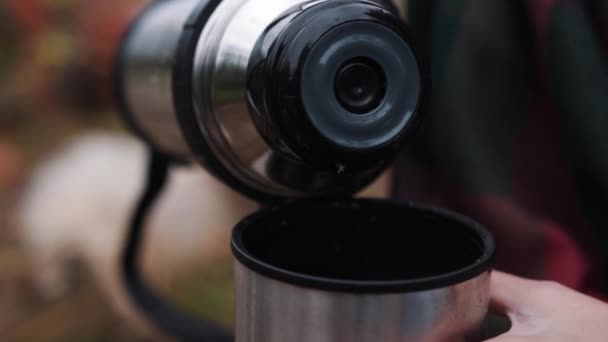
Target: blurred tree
{"points": [[9, 47], [100, 26], [63, 62]]}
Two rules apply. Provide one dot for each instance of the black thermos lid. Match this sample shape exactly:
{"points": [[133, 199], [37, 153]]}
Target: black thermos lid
{"points": [[340, 87]]}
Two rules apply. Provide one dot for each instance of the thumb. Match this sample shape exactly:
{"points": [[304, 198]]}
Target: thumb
{"points": [[513, 297], [509, 294]]}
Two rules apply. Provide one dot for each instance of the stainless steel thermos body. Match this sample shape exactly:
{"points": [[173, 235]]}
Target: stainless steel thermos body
{"points": [[360, 271], [277, 98]]}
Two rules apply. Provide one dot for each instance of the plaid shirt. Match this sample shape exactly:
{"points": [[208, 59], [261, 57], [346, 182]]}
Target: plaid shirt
{"points": [[515, 132]]}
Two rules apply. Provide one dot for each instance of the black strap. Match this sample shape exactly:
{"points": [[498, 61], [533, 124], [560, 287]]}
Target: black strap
{"points": [[164, 315]]}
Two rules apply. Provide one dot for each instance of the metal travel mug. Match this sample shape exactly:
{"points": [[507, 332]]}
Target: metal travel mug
{"points": [[360, 271]]}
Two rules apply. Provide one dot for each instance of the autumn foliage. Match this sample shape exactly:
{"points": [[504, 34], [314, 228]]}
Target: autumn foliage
{"points": [[64, 48]]}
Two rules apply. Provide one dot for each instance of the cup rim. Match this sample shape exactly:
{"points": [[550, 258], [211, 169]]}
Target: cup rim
{"points": [[471, 271]]}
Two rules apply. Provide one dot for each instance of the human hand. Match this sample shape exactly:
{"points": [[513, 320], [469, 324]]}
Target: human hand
{"points": [[545, 311]]}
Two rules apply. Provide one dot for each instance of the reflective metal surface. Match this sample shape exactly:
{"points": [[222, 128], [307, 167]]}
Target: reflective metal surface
{"points": [[271, 311], [224, 130], [220, 72], [360, 270], [149, 55]]}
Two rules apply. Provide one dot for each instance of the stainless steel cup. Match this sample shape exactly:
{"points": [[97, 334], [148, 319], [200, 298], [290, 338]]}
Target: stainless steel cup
{"points": [[360, 271]]}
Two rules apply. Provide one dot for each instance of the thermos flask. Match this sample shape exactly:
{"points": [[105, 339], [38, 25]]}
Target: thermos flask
{"points": [[298, 105], [277, 98]]}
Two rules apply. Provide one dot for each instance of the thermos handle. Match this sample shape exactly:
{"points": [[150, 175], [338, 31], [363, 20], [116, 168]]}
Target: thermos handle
{"points": [[160, 312], [164, 315]]}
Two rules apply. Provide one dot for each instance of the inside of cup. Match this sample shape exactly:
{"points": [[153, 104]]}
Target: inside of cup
{"points": [[363, 241]]}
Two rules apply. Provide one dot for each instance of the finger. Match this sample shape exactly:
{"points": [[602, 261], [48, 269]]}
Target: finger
{"points": [[509, 294]]}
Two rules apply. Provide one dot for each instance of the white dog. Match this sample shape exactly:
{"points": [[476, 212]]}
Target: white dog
{"points": [[79, 202]]}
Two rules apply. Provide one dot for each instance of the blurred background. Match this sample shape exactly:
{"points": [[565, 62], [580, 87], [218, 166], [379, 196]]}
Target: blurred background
{"points": [[515, 138], [55, 86]]}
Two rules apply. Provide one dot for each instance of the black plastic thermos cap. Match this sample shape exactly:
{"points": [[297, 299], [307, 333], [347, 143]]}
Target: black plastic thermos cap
{"points": [[360, 85], [340, 85]]}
